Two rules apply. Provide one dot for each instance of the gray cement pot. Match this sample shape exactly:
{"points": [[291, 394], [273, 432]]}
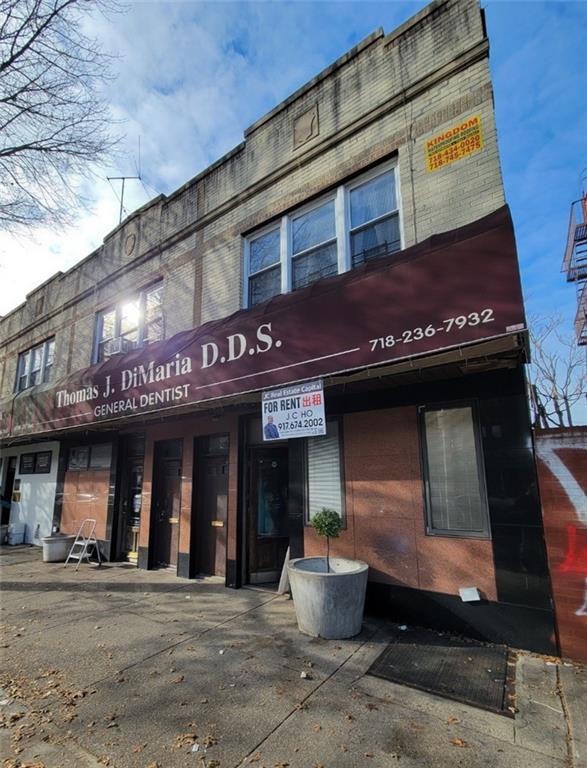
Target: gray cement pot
{"points": [[328, 605]]}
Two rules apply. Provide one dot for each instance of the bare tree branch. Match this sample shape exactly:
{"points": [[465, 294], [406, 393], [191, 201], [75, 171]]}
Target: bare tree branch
{"points": [[55, 127], [558, 375]]}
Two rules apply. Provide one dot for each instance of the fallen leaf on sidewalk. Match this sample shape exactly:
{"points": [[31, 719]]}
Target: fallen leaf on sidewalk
{"points": [[138, 747], [178, 679], [371, 707], [456, 742], [453, 720], [317, 727], [185, 740]]}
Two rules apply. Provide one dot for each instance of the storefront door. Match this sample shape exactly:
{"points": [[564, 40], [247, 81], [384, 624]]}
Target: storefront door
{"points": [[268, 536], [131, 453], [166, 502], [130, 518], [8, 489], [210, 513]]}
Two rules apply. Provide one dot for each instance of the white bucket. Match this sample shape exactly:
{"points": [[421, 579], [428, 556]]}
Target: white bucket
{"points": [[56, 547]]}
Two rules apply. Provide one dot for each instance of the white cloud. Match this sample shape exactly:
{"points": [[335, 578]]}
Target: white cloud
{"points": [[193, 75]]}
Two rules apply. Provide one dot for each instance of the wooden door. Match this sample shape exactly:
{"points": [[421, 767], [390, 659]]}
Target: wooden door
{"points": [[166, 502], [267, 512], [211, 511]]}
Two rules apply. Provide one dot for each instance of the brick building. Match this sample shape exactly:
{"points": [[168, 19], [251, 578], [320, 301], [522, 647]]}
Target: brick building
{"points": [[358, 235]]}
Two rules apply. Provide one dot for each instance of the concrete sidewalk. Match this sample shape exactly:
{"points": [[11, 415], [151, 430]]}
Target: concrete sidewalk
{"points": [[138, 669]]}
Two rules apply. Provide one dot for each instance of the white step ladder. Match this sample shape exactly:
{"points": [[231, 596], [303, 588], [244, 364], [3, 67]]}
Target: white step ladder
{"points": [[84, 542]]}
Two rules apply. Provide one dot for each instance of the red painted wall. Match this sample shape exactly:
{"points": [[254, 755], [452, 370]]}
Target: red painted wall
{"points": [[385, 512], [562, 475]]}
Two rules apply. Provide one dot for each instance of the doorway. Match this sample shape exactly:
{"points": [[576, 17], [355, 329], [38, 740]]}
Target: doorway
{"points": [[8, 489], [166, 503], [209, 514], [267, 513], [132, 453]]}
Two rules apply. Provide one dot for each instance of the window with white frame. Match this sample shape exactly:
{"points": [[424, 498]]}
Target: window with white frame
{"points": [[35, 365], [264, 267], [374, 224], [313, 245], [355, 223], [131, 323], [324, 476]]}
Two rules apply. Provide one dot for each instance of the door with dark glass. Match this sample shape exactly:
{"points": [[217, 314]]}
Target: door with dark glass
{"points": [[209, 516], [166, 502], [131, 453], [268, 531]]}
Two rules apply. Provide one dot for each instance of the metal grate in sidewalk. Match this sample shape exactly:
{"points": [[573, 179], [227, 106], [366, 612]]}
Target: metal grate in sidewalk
{"points": [[456, 668]]}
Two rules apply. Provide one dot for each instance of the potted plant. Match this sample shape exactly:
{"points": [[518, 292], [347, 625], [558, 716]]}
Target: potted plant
{"points": [[328, 593]]}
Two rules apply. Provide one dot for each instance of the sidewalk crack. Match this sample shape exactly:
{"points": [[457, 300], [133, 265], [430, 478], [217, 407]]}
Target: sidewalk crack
{"points": [[570, 761]]}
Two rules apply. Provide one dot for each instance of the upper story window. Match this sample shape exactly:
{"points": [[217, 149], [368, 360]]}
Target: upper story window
{"points": [[132, 323], [264, 267], [357, 222], [35, 365], [374, 226], [314, 252]]}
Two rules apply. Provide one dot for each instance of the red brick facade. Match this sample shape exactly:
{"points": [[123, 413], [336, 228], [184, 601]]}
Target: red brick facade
{"points": [[385, 512]]}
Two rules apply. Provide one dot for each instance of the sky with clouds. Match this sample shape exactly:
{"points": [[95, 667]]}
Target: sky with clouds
{"points": [[193, 75]]}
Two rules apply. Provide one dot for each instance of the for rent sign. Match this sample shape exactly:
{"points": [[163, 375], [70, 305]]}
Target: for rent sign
{"points": [[296, 411]]}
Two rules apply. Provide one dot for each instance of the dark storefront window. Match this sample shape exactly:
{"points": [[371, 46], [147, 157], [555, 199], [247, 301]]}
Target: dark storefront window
{"points": [[84, 457], [456, 503]]}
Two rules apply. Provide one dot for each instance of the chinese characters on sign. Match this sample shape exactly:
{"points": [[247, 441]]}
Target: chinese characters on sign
{"points": [[296, 411], [453, 144]]}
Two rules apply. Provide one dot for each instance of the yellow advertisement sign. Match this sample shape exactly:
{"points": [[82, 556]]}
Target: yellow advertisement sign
{"points": [[456, 142]]}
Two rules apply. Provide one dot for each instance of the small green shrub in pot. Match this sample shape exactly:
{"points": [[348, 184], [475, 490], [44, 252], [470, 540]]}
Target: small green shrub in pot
{"points": [[327, 523]]}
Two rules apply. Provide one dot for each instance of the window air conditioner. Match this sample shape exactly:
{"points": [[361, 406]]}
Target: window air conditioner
{"points": [[118, 345]]}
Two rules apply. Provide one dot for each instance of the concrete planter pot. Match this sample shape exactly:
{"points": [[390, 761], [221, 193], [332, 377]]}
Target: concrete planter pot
{"points": [[328, 605], [56, 547]]}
